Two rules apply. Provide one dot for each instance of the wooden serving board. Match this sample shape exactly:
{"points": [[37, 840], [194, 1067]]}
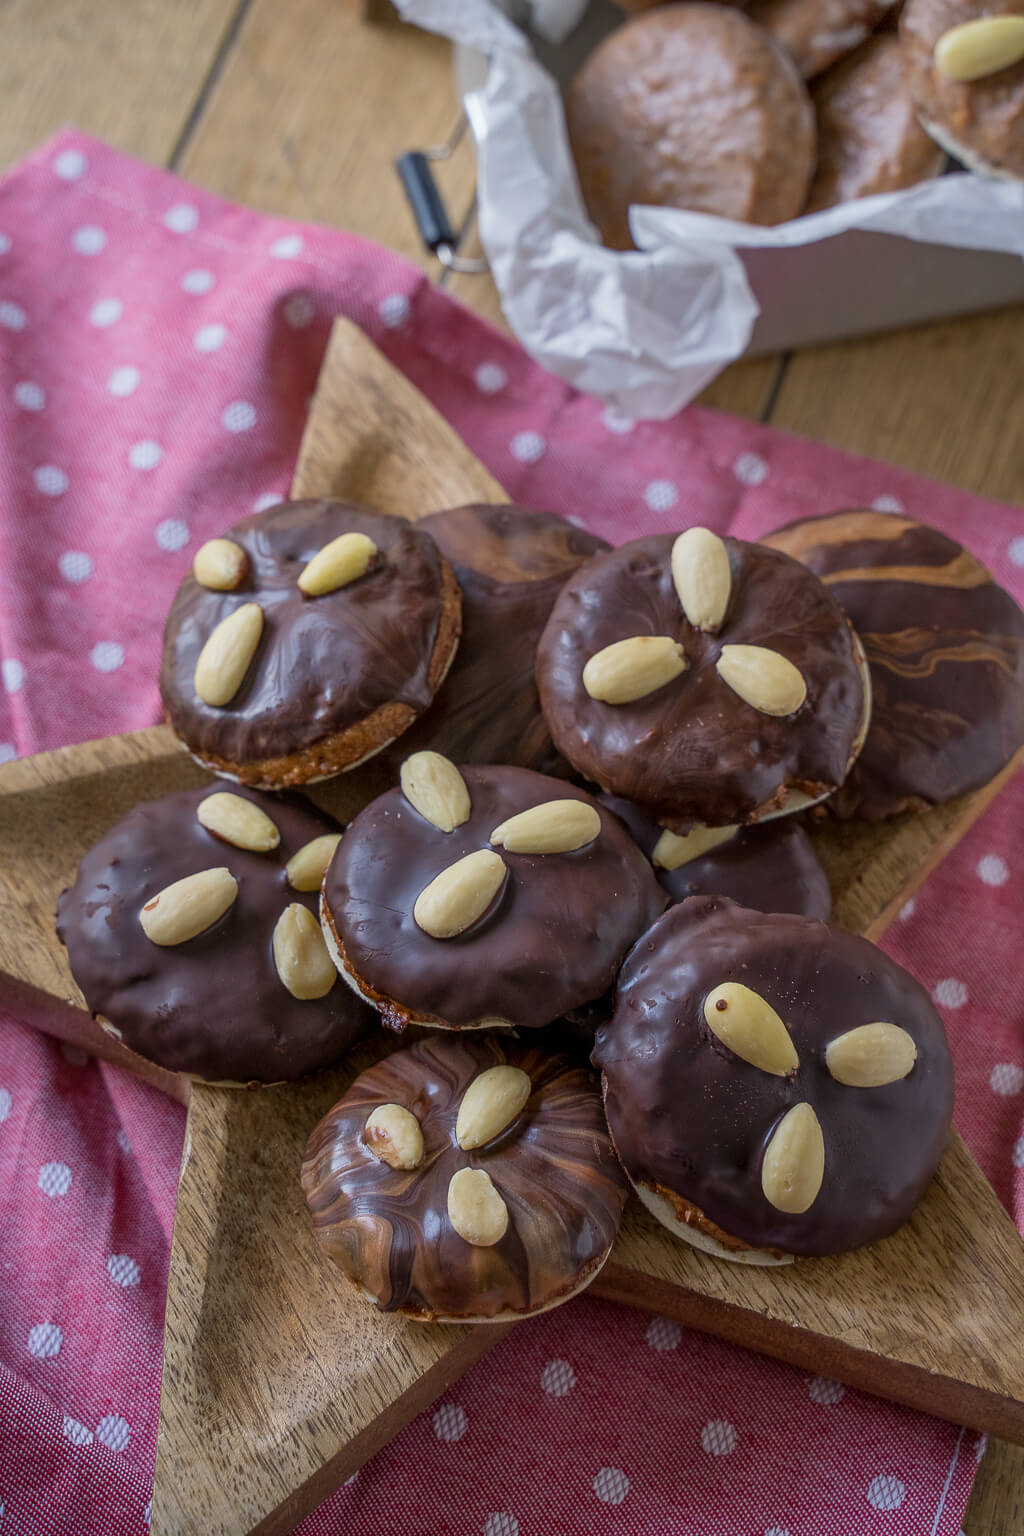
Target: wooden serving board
{"points": [[278, 1383]]}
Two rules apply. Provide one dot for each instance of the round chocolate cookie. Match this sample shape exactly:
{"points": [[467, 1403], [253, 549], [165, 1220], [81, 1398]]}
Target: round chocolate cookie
{"points": [[869, 138], [305, 640], [964, 68], [511, 564], [774, 1086], [706, 679], [497, 897], [772, 868], [466, 1180], [945, 646], [690, 106], [191, 930], [818, 32]]}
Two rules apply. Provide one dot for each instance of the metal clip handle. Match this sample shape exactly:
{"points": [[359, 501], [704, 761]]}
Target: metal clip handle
{"points": [[427, 205]]}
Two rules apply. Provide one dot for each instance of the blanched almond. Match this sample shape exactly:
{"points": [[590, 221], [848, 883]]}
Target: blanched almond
{"points": [[703, 581], [557, 826], [672, 851], [490, 1104], [435, 787], [224, 659], [981, 47], [794, 1162], [220, 564], [871, 1056], [631, 669], [238, 821], [343, 560], [188, 907], [763, 679], [393, 1135], [300, 954], [307, 866], [475, 1208], [751, 1028], [460, 895]]}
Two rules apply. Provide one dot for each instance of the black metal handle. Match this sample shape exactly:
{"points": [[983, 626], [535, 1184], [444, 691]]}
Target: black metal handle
{"points": [[424, 198]]}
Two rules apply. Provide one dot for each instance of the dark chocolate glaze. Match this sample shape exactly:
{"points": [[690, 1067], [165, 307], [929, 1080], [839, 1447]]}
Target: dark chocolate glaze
{"points": [[552, 940], [554, 1167], [772, 868], [511, 564], [687, 1114], [215, 1006], [323, 663], [693, 751], [945, 646]]}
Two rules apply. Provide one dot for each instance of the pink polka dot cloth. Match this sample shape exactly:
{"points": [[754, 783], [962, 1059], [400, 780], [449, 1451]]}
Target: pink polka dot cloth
{"points": [[158, 348]]}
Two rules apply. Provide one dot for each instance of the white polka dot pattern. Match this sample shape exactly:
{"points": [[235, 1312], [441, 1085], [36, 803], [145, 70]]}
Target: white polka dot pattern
{"points": [[1018, 1152], [450, 1422], [1006, 1079], [527, 447], [145, 455], [611, 1485], [394, 310], [106, 312], [50, 479], [197, 282], [89, 240], [123, 1142], [75, 565], [71, 165], [181, 218], [31, 397], [54, 1179], [13, 674], [171, 534], [12, 316], [122, 1269], [6, 1104], [113, 1432], [993, 870], [77, 1433], [950, 993], [1015, 550], [750, 469], [617, 421], [718, 1437], [490, 378], [8, 752], [907, 910], [287, 248], [558, 1378], [661, 495], [45, 1340], [663, 1334], [239, 416], [107, 656], [209, 338], [886, 1492], [123, 381], [822, 1390], [887, 504]]}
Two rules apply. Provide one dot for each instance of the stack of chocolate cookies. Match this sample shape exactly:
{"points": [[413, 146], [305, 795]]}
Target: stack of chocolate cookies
{"points": [[601, 763]]}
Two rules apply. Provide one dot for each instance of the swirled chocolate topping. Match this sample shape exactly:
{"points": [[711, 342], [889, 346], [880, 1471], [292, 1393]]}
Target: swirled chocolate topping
{"points": [[511, 563], [693, 750], [323, 664], [551, 940], [772, 868], [553, 1166], [945, 646], [213, 1006], [690, 1116]]}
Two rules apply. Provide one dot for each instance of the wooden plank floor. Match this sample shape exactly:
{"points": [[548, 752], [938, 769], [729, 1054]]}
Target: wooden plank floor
{"points": [[300, 109]]}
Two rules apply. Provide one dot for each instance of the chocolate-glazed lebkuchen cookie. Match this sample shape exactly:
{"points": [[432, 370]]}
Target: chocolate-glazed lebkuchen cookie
{"points": [[191, 931], [492, 897], [466, 1179], [511, 564], [709, 680], [772, 868], [774, 1086], [945, 646], [305, 640]]}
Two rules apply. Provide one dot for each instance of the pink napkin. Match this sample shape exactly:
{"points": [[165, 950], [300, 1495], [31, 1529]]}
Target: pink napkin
{"points": [[157, 350]]}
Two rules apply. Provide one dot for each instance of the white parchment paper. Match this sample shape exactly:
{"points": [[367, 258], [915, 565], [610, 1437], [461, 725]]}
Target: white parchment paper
{"points": [[644, 330]]}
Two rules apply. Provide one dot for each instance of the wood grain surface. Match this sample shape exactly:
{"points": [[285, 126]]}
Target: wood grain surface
{"points": [[255, 117]]}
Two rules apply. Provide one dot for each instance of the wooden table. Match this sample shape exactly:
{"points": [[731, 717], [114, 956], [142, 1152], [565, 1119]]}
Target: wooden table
{"points": [[293, 108]]}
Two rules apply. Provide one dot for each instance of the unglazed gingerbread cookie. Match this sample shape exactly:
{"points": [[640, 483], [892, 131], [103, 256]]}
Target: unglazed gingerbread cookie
{"points": [[191, 930], [703, 678], [964, 65], [818, 32], [690, 106], [869, 138], [466, 1180], [491, 897], [772, 868], [305, 640], [774, 1086], [945, 646], [511, 564]]}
